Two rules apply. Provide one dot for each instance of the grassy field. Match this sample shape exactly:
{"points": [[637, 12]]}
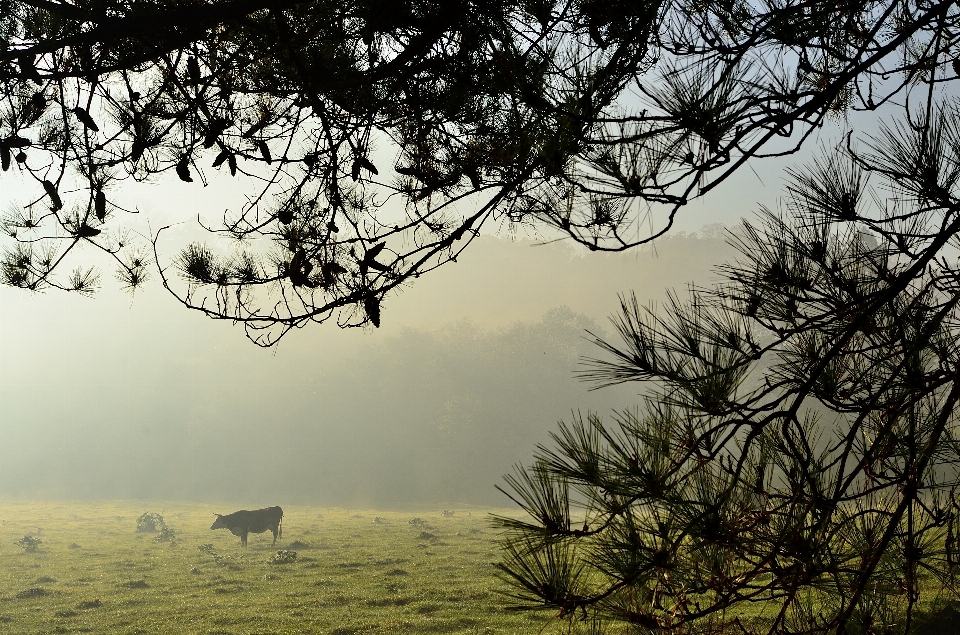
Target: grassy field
{"points": [[355, 571]]}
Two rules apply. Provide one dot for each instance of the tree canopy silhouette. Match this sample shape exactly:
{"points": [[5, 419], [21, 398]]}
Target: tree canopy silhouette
{"points": [[798, 452], [374, 139]]}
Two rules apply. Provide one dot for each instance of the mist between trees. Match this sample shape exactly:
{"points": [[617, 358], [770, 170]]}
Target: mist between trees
{"points": [[432, 412]]}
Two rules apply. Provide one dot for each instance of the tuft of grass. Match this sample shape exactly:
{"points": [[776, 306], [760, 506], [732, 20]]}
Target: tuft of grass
{"points": [[33, 592], [283, 556], [136, 584], [28, 543]]}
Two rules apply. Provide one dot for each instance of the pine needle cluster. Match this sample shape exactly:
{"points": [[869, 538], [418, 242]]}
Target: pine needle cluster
{"points": [[794, 467]]}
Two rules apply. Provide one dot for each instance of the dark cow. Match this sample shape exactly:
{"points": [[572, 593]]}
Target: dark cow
{"points": [[257, 521]]}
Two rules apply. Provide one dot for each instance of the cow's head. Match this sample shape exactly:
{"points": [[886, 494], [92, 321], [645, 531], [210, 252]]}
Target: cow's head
{"points": [[218, 523]]}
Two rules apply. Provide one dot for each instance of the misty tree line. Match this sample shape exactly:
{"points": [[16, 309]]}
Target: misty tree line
{"points": [[422, 418], [468, 406], [797, 446]]}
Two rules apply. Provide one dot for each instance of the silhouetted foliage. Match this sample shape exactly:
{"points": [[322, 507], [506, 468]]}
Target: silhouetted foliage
{"points": [[374, 139], [798, 447]]}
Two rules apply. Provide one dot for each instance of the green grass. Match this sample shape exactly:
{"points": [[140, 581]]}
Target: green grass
{"points": [[93, 573]]}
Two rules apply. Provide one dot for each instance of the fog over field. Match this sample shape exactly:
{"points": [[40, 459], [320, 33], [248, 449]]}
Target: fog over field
{"points": [[135, 397]]}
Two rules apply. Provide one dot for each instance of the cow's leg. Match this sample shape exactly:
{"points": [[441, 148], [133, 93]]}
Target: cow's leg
{"points": [[274, 535], [243, 539]]}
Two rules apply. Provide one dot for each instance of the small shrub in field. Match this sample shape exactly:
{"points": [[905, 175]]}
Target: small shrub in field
{"points": [[210, 550], [447, 513], [417, 522], [284, 556], [90, 604], [226, 561], [166, 535], [28, 543], [150, 522]]}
